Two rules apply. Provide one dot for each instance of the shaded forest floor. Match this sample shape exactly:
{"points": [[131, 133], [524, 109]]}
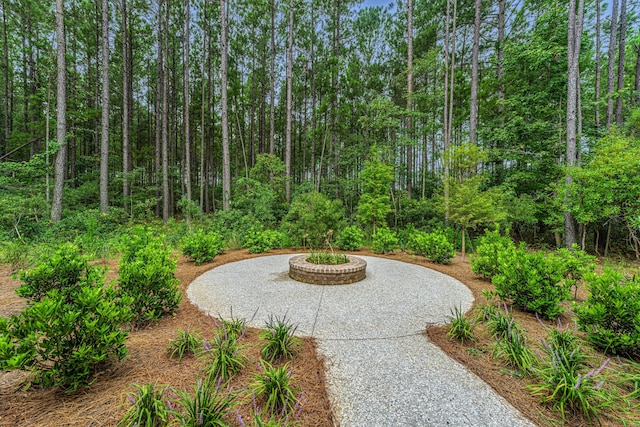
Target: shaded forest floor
{"points": [[104, 403]]}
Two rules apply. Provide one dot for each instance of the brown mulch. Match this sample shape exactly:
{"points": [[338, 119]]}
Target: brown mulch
{"points": [[104, 403]]}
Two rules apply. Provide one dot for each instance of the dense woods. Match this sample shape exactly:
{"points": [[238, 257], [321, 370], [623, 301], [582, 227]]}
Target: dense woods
{"points": [[525, 114]]}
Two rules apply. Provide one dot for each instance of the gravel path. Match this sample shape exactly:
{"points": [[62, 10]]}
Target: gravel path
{"points": [[381, 370]]}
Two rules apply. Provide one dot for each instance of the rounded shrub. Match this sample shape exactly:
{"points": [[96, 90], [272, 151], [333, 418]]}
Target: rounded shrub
{"points": [[202, 247], [350, 238], [485, 260], [383, 241], [435, 246], [261, 241], [311, 218]]}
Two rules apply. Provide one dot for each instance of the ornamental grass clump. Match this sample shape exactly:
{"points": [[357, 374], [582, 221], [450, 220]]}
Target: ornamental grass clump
{"points": [[225, 357], [207, 406], [327, 258], [281, 342], [513, 350], [186, 342], [147, 408], [275, 386], [461, 328]]}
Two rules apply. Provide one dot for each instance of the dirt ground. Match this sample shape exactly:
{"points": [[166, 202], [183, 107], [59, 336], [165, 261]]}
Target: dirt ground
{"points": [[104, 403]]}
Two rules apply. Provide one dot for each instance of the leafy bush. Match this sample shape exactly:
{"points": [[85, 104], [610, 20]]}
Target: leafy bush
{"points": [[261, 241], [274, 384], [532, 281], [64, 269], [184, 342], [207, 406], [202, 247], [311, 217], [384, 240], [492, 244], [575, 264], [66, 336], [281, 341], [434, 246], [611, 314], [147, 276], [350, 238], [147, 407]]}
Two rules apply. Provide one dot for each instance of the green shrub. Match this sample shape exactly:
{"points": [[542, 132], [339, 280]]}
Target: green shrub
{"points": [[575, 264], [489, 246], [434, 246], [66, 336], [384, 241], [147, 408], [311, 217], [350, 238], [532, 281], [202, 247], [261, 241], [611, 314], [147, 276], [64, 269]]}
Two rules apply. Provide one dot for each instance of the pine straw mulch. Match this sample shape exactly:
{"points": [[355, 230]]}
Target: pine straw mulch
{"points": [[104, 402]]}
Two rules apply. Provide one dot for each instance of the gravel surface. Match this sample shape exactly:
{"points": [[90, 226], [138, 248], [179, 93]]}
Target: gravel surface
{"points": [[381, 369]]}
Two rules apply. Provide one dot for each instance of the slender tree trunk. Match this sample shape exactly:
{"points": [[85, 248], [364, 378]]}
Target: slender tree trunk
{"points": [[165, 114], [187, 102], [104, 136], [205, 55], [61, 115], [473, 98], [224, 69], [47, 116], [637, 84], [272, 82], [611, 63], [598, 55], [287, 150], [313, 94], [409, 97], [126, 71], [6, 131], [621, 55], [158, 114], [445, 118]]}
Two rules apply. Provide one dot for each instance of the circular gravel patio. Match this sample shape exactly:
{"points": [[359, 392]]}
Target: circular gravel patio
{"points": [[381, 369]]}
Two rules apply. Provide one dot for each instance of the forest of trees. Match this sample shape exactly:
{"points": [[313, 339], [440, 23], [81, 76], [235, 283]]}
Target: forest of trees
{"points": [[171, 108]]}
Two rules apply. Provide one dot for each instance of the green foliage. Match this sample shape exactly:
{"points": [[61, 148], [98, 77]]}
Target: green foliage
{"points": [[185, 342], [461, 328], [275, 385], [202, 247], [260, 241], [499, 323], [488, 249], [329, 258], [512, 348], [147, 276], [311, 218], [147, 407], [16, 254], [575, 264], [532, 281], [375, 202], [281, 342], [383, 241], [235, 327], [64, 269], [611, 314], [225, 357], [435, 246], [206, 407], [350, 238], [66, 336]]}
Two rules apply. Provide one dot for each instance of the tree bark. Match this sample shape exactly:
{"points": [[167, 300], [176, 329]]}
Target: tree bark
{"points": [[287, 150], [224, 69], [473, 97], [61, 116], [611, 63], [187, 101], [598, 55], [126, 73], [205, 54], [410, 97], [621, 55], [637, 84], [104, 136], [6, 131], [165, 114], [272, 81]]}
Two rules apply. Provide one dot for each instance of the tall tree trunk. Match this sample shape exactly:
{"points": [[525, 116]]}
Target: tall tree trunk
{"points": [[287, 149], [6, 122], [165, 114], [272, 82], [126, 72], [637, 83], [61, 115], [205, 55], [313, 94], [409, 97], [573, 55], [473, 98], [158, 115], [611, 63], [187, 102], [598, 55], [621, 54], [104, 136], [224, 69]]}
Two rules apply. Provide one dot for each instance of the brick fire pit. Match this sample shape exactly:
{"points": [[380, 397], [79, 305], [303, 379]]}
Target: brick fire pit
{"points": [[327, 274]]}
